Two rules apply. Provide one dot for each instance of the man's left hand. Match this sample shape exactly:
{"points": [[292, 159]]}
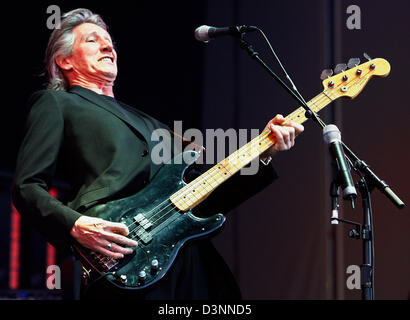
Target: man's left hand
{"points": [[284, 134]]}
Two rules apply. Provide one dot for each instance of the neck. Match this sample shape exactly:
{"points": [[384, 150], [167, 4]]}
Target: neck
{"points": [[105, 88]]}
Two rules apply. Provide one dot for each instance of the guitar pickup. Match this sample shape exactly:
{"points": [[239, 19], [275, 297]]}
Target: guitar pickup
{"points": [[143, 222], [143, 236]]}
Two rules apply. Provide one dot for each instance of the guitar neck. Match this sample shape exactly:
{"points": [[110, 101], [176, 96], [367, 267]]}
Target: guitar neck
{"points": [[199, 189]]}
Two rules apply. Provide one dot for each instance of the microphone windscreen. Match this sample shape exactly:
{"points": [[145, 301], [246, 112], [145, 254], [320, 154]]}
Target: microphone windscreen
{"points": [[201, 33], [331, 133]]}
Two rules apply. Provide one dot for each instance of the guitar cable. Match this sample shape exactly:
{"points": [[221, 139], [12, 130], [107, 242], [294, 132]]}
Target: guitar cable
{"points": [[88, 285]]}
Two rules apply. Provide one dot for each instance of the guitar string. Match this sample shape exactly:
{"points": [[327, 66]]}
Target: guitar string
{"points": [[157, 228], [177, 212], [170, 204], [196, 184], [182, 195], [297, 114], [197, 198], [263, 136], [168, 220]]}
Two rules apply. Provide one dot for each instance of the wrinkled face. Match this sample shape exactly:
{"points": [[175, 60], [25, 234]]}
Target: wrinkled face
{"points": [[94, 58]]}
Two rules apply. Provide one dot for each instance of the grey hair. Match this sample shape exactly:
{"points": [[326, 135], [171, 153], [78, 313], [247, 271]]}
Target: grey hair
{"points": [[61, 43]]}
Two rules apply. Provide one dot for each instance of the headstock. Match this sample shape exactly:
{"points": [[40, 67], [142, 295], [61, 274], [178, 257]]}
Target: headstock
{"points": [[350, 82]]}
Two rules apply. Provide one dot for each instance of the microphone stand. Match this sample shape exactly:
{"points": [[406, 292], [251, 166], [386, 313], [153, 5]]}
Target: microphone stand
{"points": [[368, 181], [255, 55]]}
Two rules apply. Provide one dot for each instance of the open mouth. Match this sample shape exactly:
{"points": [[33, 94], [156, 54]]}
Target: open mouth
{"points": [[107, 59]]}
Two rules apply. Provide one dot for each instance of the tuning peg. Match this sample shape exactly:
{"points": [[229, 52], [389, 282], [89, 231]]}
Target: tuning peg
{"points": [[353, 62], [340, 68], [326, 73], [367, 56]]}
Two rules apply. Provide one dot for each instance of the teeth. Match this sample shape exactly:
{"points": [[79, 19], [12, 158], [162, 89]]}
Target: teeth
{"points": [[106, 59]]}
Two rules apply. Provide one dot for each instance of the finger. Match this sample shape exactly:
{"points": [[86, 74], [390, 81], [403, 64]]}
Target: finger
{"points": [[116, 227], [109, 253], [285, 133], [114, 237], [279, 142], [298, 127], [292, 136], [278, 119], [116, 248], [286, 138]]}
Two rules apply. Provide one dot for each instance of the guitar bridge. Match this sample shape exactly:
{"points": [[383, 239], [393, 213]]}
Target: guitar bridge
{"points": [[105, 262]]}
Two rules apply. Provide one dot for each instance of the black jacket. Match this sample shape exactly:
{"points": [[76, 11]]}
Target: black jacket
{"points": [[102, 148]]}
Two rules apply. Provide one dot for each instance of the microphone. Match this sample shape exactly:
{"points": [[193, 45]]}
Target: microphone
{"points": [[206, 33], [332, 137]]}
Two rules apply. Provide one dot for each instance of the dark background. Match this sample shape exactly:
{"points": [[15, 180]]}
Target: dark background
{"points": [[279, 244]]}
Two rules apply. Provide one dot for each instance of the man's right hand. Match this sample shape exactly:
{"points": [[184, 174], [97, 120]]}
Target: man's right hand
{"points": [[103, 236]]}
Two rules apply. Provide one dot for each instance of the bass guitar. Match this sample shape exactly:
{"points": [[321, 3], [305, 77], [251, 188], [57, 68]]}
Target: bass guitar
{"points": [[160, 216]]}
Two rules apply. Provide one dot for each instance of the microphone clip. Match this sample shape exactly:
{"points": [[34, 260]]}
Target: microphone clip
{"points": [[239, 31]]}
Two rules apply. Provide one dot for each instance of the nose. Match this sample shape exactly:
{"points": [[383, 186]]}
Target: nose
{"points": [[106, 47]]}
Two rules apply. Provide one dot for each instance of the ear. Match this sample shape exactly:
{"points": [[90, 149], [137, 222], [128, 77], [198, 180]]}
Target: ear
{"points": [[64, 63]]}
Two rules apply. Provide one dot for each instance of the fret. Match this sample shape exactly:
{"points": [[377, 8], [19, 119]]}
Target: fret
{"points": [[207, 180], [181, 201], [224, 167], [316, 104]]}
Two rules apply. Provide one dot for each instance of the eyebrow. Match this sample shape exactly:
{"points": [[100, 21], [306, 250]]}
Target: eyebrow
{"points": [[94, 33]]}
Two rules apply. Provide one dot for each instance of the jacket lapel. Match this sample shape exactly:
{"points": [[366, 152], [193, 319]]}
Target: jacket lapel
{"points": [[107, 105], [111, 107]]}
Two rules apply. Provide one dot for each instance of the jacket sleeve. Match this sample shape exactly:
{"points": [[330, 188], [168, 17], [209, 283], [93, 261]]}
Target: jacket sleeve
{"points": [[35, 169], [235, 191]]}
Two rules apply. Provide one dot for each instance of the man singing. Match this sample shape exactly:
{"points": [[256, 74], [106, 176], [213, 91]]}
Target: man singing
{"points": [[102, 148]]}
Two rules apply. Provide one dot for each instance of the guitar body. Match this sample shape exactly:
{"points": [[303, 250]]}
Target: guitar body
{"points": [[158, 226]]}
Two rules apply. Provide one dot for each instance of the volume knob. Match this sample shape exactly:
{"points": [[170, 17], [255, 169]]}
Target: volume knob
{"points": [[123, 278], [154, 264], [142, 275]]}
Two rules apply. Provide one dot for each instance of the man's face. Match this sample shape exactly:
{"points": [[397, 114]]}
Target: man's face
{"points": [[94, 58]]}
